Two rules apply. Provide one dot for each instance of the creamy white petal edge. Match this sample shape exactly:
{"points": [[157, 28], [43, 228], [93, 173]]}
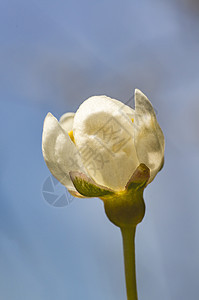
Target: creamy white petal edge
{"points": [[124, 109], [148, 136], [66, 121], [103, 134], [60, 153]]}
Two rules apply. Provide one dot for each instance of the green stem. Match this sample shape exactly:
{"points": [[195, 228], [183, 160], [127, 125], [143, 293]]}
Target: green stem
{"points": [[128, 235]]}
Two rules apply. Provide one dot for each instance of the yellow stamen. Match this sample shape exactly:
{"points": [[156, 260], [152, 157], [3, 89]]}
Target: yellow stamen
{"points": [[70, 133], [132, 120]]}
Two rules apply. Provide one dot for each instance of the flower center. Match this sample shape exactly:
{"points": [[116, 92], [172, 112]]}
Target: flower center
{"points": [[70, 133], [132, 120]]}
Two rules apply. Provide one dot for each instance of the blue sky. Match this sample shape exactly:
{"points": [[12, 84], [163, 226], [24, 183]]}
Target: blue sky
{"points": [[53, 56]]}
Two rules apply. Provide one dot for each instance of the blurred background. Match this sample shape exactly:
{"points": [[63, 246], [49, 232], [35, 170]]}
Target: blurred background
{"points": [[54, 55]]}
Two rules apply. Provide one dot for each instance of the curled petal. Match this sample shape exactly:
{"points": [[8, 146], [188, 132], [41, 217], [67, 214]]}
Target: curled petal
{"points": [[148, 136], [125, 110], [66, 121], [60, 153], [104, 136]]}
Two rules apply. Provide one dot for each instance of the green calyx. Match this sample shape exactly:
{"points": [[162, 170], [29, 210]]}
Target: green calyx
{"points": [[127, 208], [123, 208], [88, 187]]}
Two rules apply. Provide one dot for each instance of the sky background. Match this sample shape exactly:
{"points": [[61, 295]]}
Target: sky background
{"points": [[53, 56]]}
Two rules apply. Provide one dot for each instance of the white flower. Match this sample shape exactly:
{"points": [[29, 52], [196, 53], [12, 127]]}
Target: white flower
{"points": [[105, 140]]}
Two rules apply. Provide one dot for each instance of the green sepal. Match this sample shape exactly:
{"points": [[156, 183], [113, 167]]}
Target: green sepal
{"points": [[76, 194], [88, 187], [139, 178]]}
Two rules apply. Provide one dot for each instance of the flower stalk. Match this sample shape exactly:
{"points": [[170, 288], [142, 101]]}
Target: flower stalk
{"points": [[128, 236]]}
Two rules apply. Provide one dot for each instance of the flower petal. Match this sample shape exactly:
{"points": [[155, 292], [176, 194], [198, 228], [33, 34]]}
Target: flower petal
{"points": [[60, 153], [104, 136], [125, 110], [66, 121], [149, 139]]}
